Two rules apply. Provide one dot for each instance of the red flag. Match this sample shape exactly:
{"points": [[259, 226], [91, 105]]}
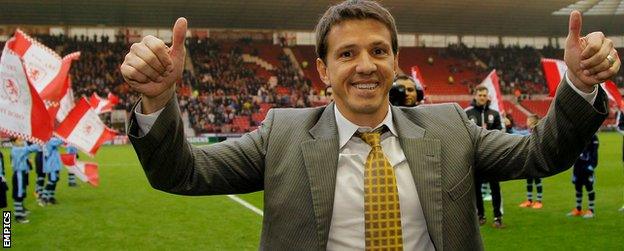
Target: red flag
{"points": [[613, 93], [418, 78], [22, 112], [67, 102], [68, 159], [85, 171], [45, 68], [83, 128], [101, 105], [493, 86], [554, 70]]}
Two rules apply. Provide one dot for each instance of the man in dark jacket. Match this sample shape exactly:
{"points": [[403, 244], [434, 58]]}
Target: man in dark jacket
{"points": [[481, 114], [583, 175]]}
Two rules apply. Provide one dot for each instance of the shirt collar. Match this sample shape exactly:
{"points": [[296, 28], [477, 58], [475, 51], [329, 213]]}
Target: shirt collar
{"points": [[346, 128]]}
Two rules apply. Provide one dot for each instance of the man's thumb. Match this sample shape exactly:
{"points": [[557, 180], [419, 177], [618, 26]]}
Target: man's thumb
{"points": [[575, 25], [179, 34]]}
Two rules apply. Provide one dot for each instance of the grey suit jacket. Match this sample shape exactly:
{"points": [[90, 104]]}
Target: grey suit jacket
{"points": [[293, 157]]}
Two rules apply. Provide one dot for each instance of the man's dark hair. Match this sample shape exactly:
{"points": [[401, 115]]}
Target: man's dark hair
{"points": [[481, 88], [404, 77], [349, 10]]}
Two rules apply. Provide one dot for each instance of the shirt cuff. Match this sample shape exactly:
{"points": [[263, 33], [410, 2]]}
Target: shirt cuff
{"points": [[145, 121], [590, 97]]}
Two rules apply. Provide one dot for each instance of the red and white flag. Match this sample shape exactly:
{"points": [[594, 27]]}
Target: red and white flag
{"points": [[85, 171], [418, 78], [101, 105], [554, 70], [68, 159], [83, 128], [45, 68], [66, 104], [613, 93], [22, 112], [493, 86]]}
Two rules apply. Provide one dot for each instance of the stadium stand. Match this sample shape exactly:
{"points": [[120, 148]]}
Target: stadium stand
{"points": [[229, 86]]}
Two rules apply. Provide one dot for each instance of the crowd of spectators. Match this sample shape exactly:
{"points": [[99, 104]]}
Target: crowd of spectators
{"points": [[226, 87], [221, 87]]}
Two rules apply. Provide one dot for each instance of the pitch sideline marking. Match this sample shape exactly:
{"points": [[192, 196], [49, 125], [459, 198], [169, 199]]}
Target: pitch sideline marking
{"points": [[246, 204], [233, 197]]}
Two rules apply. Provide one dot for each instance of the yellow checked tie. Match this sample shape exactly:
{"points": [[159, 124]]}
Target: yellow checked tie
{"points": [[382, 212]]}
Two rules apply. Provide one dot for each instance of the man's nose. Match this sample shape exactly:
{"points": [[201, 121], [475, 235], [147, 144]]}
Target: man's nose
{"points": [[365, 64]]}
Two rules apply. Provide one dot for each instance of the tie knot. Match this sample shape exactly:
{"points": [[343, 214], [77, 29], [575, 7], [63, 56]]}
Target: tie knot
{"points": [[372, 138]]}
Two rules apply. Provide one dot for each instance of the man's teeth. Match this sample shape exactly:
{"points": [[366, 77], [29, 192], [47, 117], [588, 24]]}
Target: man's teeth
{"points": [[366, 86]]}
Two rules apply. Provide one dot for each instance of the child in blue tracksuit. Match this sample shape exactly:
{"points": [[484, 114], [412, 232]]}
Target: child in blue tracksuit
{"points": [[71, 178], [51, 167], [532, 121], [21, 167], [583, 176], [40, 181]]}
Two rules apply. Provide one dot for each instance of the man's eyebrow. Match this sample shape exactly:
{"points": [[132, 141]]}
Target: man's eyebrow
{"points": [[378, 43], [346, 46], [375, 43]]}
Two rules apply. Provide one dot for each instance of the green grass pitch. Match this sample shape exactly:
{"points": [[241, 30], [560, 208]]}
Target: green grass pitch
{"points": [[124, 212]]}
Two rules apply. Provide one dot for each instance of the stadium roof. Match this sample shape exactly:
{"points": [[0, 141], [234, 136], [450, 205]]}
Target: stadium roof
{"points": [[471, 17]]}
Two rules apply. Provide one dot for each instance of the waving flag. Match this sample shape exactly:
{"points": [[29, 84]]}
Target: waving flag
{"points": [[554, 69], [83, 128], [68, 159], [67, 102], [45, 69], [418, 78], [496, 99], [85, 171], [22, 112], [613, 93], [101, 105]]}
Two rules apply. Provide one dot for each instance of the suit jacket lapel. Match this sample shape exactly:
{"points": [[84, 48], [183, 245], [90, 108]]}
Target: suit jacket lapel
{"points": [[320, 155], [423, 157]]}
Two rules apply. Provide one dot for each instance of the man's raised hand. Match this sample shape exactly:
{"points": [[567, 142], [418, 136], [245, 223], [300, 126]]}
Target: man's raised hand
{"points": [[591, 59], [152, 69]]}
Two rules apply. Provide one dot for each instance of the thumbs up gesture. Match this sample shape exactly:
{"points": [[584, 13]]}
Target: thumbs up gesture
{"points": [[152, 68], [591, 59]]}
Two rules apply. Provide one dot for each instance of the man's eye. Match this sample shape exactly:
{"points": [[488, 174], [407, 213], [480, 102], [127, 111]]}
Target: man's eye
{"points": [[346, 54], [379, 51]]}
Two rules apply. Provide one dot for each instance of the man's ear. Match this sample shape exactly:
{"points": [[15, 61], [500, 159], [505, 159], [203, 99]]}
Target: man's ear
{"points": [[322, 71], [396, 64]]}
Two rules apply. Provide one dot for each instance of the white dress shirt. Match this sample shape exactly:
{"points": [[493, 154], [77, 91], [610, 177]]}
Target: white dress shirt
{"points": [[347, 225]]}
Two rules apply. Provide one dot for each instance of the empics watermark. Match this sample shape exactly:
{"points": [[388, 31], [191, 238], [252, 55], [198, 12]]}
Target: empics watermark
{"points": [[6, 229]]}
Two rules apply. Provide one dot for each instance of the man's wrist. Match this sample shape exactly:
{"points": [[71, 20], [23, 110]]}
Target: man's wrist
{"points": [[154, 104], [579, 84]]}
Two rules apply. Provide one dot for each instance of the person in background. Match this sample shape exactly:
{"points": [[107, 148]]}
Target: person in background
{"points": [[488, 119], [71, 177], [413, 93], [3, 185], [583, 176], [40, 180], [19, 161], [532, 121], [329, 93], [51, 166]]}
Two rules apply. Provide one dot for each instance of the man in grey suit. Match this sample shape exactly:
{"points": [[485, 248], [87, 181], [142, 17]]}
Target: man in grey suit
{"points": [[310, 162]]}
